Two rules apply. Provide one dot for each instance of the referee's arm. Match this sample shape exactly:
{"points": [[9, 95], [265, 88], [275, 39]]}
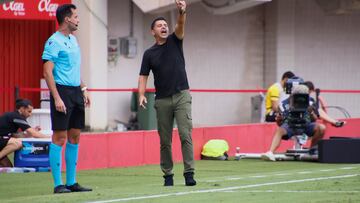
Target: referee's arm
{"points": [[49, 78]]}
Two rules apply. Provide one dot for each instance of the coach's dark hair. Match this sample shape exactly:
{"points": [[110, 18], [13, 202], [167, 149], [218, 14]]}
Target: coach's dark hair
{"points": [[64, 11], [155, 20], [22, 103], [287, 74]]}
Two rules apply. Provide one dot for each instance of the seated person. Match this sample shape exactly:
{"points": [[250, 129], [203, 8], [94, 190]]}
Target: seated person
{"points": [[322, 110], [284, 131], [275, 95], [10, 123]]}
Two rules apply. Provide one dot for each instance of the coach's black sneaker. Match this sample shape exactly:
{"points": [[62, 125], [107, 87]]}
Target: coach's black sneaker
{"points": [[189, 179], [168, 180], [78, 188], [61, 189]]}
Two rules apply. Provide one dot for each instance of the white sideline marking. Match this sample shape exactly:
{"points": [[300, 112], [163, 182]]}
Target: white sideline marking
{"points": [[209, 181], [282, 174], [347, 168], [292, 191], [225, 189], [328, 170], [304, 172], [258, 176], [232, 178]]}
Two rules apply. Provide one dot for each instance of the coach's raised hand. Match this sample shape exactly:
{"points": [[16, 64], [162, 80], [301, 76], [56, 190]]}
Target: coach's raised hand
{"points": [[181, 6]]}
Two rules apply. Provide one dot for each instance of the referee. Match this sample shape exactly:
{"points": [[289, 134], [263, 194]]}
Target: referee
{"points": [[68, 97]]}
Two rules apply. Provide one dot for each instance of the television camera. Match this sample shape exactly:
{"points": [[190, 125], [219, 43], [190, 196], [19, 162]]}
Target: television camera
{"points": [[298, 114]]}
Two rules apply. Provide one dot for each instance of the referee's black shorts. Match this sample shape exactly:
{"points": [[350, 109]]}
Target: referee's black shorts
{"points": [[75, 109]]}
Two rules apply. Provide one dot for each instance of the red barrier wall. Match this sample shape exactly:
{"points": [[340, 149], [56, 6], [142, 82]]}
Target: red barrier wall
{"points": [[121, 149]]}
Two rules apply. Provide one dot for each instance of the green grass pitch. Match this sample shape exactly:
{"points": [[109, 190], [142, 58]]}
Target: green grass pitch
{"points": [[218, 181]]}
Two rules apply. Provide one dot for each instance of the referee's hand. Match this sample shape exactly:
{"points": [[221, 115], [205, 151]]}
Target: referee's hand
{"points": [[86, 98], [60, 106]]}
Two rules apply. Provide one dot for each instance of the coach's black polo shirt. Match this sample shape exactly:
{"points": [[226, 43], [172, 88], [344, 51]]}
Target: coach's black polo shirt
{"points": [[168, 66], [10, 122]]}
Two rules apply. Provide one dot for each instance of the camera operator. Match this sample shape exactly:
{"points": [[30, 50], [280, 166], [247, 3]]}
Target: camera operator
{"points": [[323, 116], [297, 116]]}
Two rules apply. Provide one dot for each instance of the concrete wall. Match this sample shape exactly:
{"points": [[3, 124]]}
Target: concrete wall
{"points": [[224, 52], [270, 55], [327, 51], [279, 39], [124, 73], [92, 37]]}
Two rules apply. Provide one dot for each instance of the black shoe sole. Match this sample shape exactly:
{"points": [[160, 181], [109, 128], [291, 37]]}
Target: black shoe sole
{"points": [[82, 191]]}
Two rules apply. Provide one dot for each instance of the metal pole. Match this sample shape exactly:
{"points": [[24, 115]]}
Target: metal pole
{"points": [[17, 92]]}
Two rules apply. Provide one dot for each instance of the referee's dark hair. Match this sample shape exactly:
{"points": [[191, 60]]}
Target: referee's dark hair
{"points": [[22, 103], [64, 11]]}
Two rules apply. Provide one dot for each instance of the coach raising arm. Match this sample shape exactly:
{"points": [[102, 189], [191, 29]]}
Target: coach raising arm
{"points": [[173, 100]]}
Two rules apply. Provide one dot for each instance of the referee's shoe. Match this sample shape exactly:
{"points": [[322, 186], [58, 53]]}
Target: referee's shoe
{"points": [[76, 187], [61, 189]]}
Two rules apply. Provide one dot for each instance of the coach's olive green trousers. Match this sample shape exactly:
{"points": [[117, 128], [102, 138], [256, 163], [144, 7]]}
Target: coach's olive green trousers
{"points": [[177, 106]]}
